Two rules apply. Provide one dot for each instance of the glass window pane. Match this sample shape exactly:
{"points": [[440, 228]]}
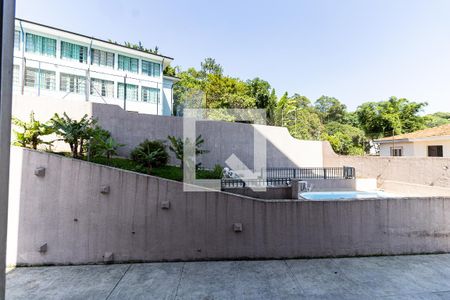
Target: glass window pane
{"points": [[102, 58], [16, 78], [151, 68], [132, 91], [72, 83], [17, 39], [129, 64], [40, 78], [100, 87], [40, 45], [150, 95], [73, 52]]}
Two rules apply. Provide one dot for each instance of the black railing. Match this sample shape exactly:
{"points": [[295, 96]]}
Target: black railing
{"points": [[310, 173], [269, 182], [283, 176]]}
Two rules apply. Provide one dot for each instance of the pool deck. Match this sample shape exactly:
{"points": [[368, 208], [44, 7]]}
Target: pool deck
{"points": [[394, 277]]}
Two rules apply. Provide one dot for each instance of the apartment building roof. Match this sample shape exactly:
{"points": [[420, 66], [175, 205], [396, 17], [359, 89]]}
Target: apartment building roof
{"points": [[93, 38]]}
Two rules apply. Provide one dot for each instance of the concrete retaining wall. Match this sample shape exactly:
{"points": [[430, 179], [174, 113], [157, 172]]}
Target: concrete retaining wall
{"points": [[284, 192], [222, 139], [65, 210], [427, 171]]}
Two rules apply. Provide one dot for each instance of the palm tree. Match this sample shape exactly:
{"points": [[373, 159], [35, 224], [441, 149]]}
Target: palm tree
{"points": [[102, 143], [32, 132], [149, 158], [73, 132], [177, 147], [109, 147]]}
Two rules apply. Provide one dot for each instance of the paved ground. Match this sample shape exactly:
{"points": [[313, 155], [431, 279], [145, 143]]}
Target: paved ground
{"points": [[400, 277]]}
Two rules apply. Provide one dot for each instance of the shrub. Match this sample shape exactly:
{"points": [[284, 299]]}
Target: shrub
{"points": [[32, 131], [142, 153], [217, 172], [102, 143], [73, 132], [177, 147]]}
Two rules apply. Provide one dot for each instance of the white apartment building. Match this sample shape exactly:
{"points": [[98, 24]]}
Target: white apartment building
{"points": [[52, 62]]}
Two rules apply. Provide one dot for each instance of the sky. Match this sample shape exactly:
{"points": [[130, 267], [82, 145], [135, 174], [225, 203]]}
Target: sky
{"points": [[353, 50]]}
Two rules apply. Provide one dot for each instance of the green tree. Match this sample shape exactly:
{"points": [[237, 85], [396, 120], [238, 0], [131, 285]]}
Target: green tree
{"points": [[177, 147], [150, 154], [298, 116], [330, 110], [31, 132], [264, 97], [101, 143], [437, 119], [210, 66], [73, 132], [345, 139], [171, 71], [210, 88], [140, 47], [145, 149], [394, 116]]}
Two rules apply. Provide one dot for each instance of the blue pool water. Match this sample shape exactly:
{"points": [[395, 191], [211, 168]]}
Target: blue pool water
{"points": [[344, 195]]}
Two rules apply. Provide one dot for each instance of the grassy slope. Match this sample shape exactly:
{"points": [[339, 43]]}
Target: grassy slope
{"points": [[169, 172]]}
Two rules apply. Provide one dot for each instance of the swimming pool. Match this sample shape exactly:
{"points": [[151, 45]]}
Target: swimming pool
{"points": [[344, 195]]}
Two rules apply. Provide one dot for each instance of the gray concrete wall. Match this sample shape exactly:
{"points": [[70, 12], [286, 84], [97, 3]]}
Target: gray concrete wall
{"points": [[66, 211], [284, 192], [221, 138], [427, 171]]}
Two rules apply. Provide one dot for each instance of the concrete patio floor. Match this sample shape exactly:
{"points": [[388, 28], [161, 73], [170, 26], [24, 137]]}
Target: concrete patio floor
{"points": [[395, 277]]}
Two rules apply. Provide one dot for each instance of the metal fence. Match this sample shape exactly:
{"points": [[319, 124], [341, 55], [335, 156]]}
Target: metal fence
{"points": [[276, 177], [239, 183], [310, 173]]}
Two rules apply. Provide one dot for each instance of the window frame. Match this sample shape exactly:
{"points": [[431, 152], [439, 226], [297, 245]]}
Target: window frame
{"points": [[119, 84], [131, 59], [28, 49], [99, 64], [17, 36], [439, 150], [149, 89], [79, 89], [104, 87], [396, 151], [80, 54], [151, 68], [39, 84]]}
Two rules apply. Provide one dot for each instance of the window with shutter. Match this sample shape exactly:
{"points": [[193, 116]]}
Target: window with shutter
{"points": [[100, 87], [75, 52], [150, 95], [72, 83], [40, 78], [40, 45]]}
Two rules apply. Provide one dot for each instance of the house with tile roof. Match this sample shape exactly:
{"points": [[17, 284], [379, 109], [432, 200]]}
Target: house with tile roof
{"points": [[431, 142]]}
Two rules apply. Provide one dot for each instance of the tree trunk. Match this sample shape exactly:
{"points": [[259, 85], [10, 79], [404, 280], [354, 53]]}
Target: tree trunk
{"points": [[81, 148], [149, 169], [71, 149], [75, 150]]}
